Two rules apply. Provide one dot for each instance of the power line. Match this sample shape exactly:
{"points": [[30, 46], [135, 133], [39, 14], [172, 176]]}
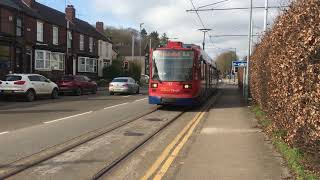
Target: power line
{"points": [[236, 8]]}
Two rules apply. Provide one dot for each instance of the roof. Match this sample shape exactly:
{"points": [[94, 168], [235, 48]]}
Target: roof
{"points": [[9, 3], [55, 17]]}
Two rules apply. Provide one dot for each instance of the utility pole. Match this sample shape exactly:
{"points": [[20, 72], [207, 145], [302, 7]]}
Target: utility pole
{"points": [[246, 84], [204, 30], [140, 39], [132, 47], [266, 15]]}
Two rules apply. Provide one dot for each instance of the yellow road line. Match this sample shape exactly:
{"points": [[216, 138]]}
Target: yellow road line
{"points": [[176, 151], [168, 149]]}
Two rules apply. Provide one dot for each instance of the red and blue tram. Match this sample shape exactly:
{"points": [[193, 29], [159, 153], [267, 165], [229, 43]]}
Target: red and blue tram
{"points": [[181, 74]]}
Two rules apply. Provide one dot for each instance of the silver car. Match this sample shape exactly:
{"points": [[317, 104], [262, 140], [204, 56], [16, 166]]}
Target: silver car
{"points": [[124, 85]]}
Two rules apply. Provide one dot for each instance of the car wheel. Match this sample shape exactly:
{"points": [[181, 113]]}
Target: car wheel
{"points": [[55, 94], [111, 93], [78, 92], [94, 90], [30, 95]]}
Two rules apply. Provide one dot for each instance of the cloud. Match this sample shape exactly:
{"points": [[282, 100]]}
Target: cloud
{"points": [[170, 16]]}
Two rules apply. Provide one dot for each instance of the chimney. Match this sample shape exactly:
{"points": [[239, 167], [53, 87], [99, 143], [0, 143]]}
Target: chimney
{"points": [[70, 13], [29, 3], [99, 26]]}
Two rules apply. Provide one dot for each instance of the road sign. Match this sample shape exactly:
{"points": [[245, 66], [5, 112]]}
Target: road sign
{"points": [[239, 63]]}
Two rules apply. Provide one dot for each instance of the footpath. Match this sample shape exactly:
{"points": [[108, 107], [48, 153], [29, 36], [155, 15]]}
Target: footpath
{"points": [[228, 145]]}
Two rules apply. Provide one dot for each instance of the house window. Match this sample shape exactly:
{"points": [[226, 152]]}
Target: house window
{"points": [[57, 61], [55, 35], [19, 27], [86, 64], [39, 31], [42, 60], [81, 45], [91, 44], [106, 63], [69, 42]]}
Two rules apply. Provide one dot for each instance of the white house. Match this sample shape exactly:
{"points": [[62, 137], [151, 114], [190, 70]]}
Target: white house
{"points": [[105, 51]]}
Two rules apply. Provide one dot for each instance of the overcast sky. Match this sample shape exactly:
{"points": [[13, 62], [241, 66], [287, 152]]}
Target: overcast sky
{"points": [[170, 16]]}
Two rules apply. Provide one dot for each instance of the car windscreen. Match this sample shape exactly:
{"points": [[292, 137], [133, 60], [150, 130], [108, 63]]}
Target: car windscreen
{"points": [[120, 80], [172, 65], [12, 78]]}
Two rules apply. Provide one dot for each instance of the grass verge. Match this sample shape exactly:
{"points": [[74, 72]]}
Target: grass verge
{"points": [[293, 156]]}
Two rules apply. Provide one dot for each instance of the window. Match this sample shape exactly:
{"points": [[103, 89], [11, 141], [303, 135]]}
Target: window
{"points": [[91, 44], [19, 27], [39, 31], [81, 45], [106, 63], [57, 61], [69, 42], [34, 78], [55, 35], [42, 60], [87, 64]]}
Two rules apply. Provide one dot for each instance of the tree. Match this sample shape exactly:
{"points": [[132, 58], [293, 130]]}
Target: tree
{"points": [[113, 71], [155, 39], [143, 33], [164, 39], [224, 62]]}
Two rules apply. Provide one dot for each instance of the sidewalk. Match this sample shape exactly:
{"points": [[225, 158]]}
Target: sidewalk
{"points": [[229, 146]]}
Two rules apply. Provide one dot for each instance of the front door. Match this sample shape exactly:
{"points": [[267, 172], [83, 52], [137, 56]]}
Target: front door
{"points": [[18, 61]]}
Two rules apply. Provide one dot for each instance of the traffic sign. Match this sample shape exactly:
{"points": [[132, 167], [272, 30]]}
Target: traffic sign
{"points": [[239, 63]]}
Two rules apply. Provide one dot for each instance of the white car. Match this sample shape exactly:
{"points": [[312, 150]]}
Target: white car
{"points": [[28, 85], [124, 85]]}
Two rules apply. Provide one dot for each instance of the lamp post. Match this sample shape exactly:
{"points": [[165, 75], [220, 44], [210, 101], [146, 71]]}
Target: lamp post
{"points": [[204, 30], [246, 83], [140, 38]]}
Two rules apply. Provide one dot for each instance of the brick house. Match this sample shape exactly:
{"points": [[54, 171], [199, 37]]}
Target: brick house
{"points": [[35, 38]]}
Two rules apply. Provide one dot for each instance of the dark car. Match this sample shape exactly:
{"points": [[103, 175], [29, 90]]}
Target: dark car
{"points": [[77, 84]]}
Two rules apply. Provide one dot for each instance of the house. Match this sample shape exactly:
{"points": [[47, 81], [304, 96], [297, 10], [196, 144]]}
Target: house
{"points": [[104, 50], [126, 52], [35, 38]]}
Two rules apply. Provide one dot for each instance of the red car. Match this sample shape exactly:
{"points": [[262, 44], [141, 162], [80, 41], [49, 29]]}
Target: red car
{"points": [[77, 84]]}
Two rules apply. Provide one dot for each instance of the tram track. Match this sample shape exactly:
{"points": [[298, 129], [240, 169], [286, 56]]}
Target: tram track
{"points": [[27, 163], [48, 153]]}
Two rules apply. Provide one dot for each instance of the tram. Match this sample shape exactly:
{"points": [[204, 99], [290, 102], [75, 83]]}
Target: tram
{"points": [[181, 74]]}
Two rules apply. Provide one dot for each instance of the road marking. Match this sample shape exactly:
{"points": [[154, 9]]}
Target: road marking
{"points": [[168, 149], [127, 96], [68, 117], [140, 99], [5, 132], [176, 151], [116, 105]]}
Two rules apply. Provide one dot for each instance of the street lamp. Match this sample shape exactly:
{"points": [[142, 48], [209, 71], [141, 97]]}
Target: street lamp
{"points": [[204, 30], [140, 38]]}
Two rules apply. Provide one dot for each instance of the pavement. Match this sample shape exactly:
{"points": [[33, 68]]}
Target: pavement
{"points": [[228, 145]]}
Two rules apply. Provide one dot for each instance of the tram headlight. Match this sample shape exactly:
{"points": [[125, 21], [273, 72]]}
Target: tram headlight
{"points": [[154, 85], [187, 86]]}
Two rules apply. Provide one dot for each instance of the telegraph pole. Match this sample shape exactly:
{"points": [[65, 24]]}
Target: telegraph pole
{"points": [[140, 39], [246, 84], [266, 15], [204, 30], [132, 47]]}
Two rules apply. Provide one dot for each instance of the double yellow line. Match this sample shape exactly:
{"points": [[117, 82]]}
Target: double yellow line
{"points": [[169, 154]]}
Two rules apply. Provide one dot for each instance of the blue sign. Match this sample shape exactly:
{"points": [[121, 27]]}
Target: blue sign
{"points": [[239, 63]]}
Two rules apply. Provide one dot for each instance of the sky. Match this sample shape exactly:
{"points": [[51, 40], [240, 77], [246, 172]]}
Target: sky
{"points": [[170, 17]]}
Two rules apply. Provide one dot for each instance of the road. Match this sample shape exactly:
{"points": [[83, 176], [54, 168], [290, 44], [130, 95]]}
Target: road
{"points": [[44, 123]]}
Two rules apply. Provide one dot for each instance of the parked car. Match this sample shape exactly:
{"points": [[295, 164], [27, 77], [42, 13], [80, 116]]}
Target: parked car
{"points": [[77, 84], [124, 85], [28, 85]]}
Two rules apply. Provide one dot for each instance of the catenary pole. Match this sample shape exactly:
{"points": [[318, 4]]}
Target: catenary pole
{"points": [[266, 15], [246, 86]]}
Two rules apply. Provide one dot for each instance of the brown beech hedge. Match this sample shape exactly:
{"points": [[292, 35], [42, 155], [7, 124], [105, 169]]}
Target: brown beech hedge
{"points": [[285, 75]]}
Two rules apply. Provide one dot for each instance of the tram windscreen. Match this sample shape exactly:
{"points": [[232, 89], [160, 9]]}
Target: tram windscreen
{"points": [[172, 65]]}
